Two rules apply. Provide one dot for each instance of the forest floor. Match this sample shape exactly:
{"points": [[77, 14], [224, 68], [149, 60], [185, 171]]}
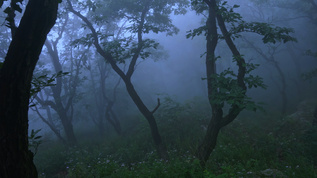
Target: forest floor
{"points": [[265, 146]]}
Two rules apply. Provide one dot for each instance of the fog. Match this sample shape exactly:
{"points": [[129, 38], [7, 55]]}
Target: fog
{"points": [[93, 98]]}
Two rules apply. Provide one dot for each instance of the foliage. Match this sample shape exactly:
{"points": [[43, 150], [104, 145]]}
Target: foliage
{"points": [[10, 11], [229, 92], [34, 140], [116, 19], [39, 83], [225, 84], [249, 147], [270, 32]]}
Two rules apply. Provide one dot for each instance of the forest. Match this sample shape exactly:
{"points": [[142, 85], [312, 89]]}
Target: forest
{"points": [[158, 88]]}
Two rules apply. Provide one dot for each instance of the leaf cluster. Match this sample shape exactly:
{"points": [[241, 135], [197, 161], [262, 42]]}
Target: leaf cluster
{"points": [[227, 90], [119, 49], [39, 83], [10, 11], [196, 32], [198, 6], [270, 33], [85, 41], [35, 140], [227, 12]]}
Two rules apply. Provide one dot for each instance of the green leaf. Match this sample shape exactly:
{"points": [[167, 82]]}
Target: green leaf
{"points": [[38, 137]]}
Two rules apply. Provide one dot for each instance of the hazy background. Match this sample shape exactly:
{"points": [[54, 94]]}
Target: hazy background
{"points": [[179, 71]]}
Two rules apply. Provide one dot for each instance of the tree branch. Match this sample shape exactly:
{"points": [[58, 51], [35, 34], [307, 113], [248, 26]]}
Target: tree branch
{"points": [[157, 106], [106, 55]]}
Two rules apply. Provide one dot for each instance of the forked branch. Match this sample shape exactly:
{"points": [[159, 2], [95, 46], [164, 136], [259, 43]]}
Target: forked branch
{"points": [[157, 106]]}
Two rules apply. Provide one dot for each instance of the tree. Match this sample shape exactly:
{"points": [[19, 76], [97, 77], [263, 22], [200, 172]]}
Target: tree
{"points": [[64, 92], [102, 104], [269, 56], [228, 87], [309, 76], [144, 16], [289, 13], [15, 83]]}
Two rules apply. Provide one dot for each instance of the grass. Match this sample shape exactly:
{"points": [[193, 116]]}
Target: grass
{"points": [[245, 148]]}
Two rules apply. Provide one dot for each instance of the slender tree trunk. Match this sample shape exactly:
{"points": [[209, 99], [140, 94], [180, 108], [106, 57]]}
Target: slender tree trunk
{"points": [[160, 146], [218, 120], [101, 127], [15, 82], [209, 142], [59, 107], [114, 122], [283, 87], [112, 118], [69, 130], [50, 123]]}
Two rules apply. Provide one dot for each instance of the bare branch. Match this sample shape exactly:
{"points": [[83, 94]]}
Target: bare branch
{"points": [[157, 106]]}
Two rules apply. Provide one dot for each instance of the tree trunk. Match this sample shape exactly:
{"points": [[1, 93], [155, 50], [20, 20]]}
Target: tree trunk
{"points": [[112, 118], [218, 120], [51, 124], [101, 127], [69, 131], [15, 82], [209, 142], [59, 107], [160, 146]]}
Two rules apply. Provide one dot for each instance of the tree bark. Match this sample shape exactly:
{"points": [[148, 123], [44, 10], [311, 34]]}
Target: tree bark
{"points": [[59, 106], [160, 146], [15, 82], [218, 120], [112, 118], [69, 131], [210, 139]]}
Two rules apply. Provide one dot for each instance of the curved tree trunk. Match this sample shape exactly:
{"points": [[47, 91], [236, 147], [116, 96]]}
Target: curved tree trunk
{"points": [[209, 142], [160, 146], [210, 139], [218, 120], [15, 82]]}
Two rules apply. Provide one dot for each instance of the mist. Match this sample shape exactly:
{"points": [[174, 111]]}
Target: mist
{"points": [[121, 90]]}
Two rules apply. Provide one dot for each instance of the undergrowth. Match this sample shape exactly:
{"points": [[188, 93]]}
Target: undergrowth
{"points": [[249, 147]]}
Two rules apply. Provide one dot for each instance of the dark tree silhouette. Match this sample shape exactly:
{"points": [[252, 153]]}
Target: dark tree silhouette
{"points": [[15, 82], [139, 13], [228, 87]]}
